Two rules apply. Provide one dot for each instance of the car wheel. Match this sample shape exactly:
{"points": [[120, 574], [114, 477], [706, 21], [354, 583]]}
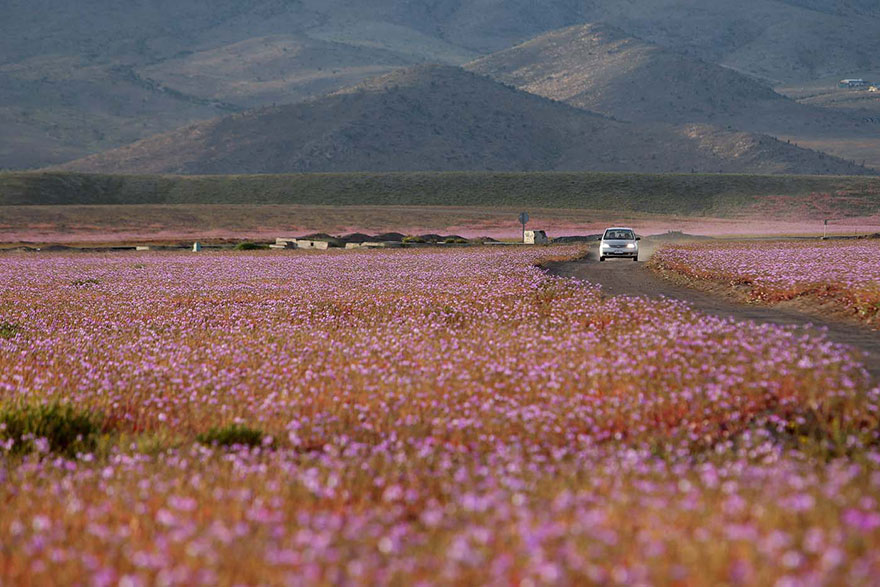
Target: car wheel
{"points": [[635, 259], [601, 258]]}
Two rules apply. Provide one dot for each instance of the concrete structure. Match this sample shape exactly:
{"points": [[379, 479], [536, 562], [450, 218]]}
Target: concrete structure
{"points": [[142, 248], [853, 83], [382, 245], [314, 245], [535, 237]]}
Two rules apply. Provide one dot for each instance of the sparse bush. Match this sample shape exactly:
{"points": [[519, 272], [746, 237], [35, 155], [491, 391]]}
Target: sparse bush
{"points": [[232, 435], [455, 240], [246, 246], [413, 239], [85, 282], [54, 427], [9, 330]]}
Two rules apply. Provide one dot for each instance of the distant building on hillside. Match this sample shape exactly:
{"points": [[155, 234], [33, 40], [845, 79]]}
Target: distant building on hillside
{"points": [[853, 83], [875, 88]]}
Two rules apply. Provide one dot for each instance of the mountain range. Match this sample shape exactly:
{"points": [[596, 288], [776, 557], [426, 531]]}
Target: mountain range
{"points": [[600, 68], [81, 78], [442, 118]]}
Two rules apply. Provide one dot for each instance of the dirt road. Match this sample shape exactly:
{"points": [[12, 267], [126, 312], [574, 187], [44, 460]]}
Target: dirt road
{"points": [[623, 277]]}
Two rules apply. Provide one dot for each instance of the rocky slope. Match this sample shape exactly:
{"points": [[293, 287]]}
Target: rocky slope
{"points": [[600, 68], [80, 77], [444, 118]]}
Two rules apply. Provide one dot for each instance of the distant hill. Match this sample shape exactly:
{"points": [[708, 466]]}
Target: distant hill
{"points": [[600, 68], [443, 118], [775, 39], [81, 77], [275, 68]]}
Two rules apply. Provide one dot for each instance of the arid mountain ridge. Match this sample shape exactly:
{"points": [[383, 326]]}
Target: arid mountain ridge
{"points": [[600, 68], [81, 78], [442, 118]]}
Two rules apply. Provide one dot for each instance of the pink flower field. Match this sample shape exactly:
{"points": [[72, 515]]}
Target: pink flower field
{"points": [[454, 416], [845, 274]]}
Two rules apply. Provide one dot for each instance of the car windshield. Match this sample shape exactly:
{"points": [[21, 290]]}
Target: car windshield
{"points": [[623, 235]]}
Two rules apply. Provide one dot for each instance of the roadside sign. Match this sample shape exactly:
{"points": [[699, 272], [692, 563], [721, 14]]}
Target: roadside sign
{"points": [[523, 218]]}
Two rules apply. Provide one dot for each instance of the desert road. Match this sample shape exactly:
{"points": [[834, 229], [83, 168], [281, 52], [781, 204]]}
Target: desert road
{"points": [[623, 277]]}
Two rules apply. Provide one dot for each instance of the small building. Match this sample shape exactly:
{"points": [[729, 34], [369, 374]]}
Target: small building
{"points": [[851, 83], [284, 243], [875, 88], [314, 245], [535, 237]]}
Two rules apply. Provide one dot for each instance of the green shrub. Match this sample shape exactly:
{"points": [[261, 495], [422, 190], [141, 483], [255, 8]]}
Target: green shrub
{"points": [[455, 241], [63, 428], [250, 247], [232, 435], [85, 282], [9, 330], [413, 239]]}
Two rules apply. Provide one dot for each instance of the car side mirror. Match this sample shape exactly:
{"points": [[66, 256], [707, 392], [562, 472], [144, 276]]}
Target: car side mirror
{"points": [[638, 238]]}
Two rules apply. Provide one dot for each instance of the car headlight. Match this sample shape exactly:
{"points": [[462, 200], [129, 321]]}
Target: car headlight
{"points": [[605, 245], [631, 245]]}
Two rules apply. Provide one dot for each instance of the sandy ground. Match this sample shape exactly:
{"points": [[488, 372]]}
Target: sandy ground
{"points": [[153, 223]]}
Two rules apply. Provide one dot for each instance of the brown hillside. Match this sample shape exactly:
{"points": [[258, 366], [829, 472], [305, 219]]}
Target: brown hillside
{"points": [[444, 118], [275, 68], [600, 68], [81, 77]]}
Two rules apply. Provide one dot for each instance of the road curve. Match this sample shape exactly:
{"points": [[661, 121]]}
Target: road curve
{"points": [[623, 277]]}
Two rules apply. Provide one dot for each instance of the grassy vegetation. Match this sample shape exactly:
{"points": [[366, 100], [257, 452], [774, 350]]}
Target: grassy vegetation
{"points": [[232, 435], [249, 246], [9, 330], [697, 194], [85, 282], [54, 427]]}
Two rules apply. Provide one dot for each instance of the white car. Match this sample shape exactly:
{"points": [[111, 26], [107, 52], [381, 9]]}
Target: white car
{"points": [[619, 242]]}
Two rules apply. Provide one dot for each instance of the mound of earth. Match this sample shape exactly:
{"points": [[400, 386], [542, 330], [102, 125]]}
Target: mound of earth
{"points": [[577, 239], [356, 237], [675, 235], [390, 237]]}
